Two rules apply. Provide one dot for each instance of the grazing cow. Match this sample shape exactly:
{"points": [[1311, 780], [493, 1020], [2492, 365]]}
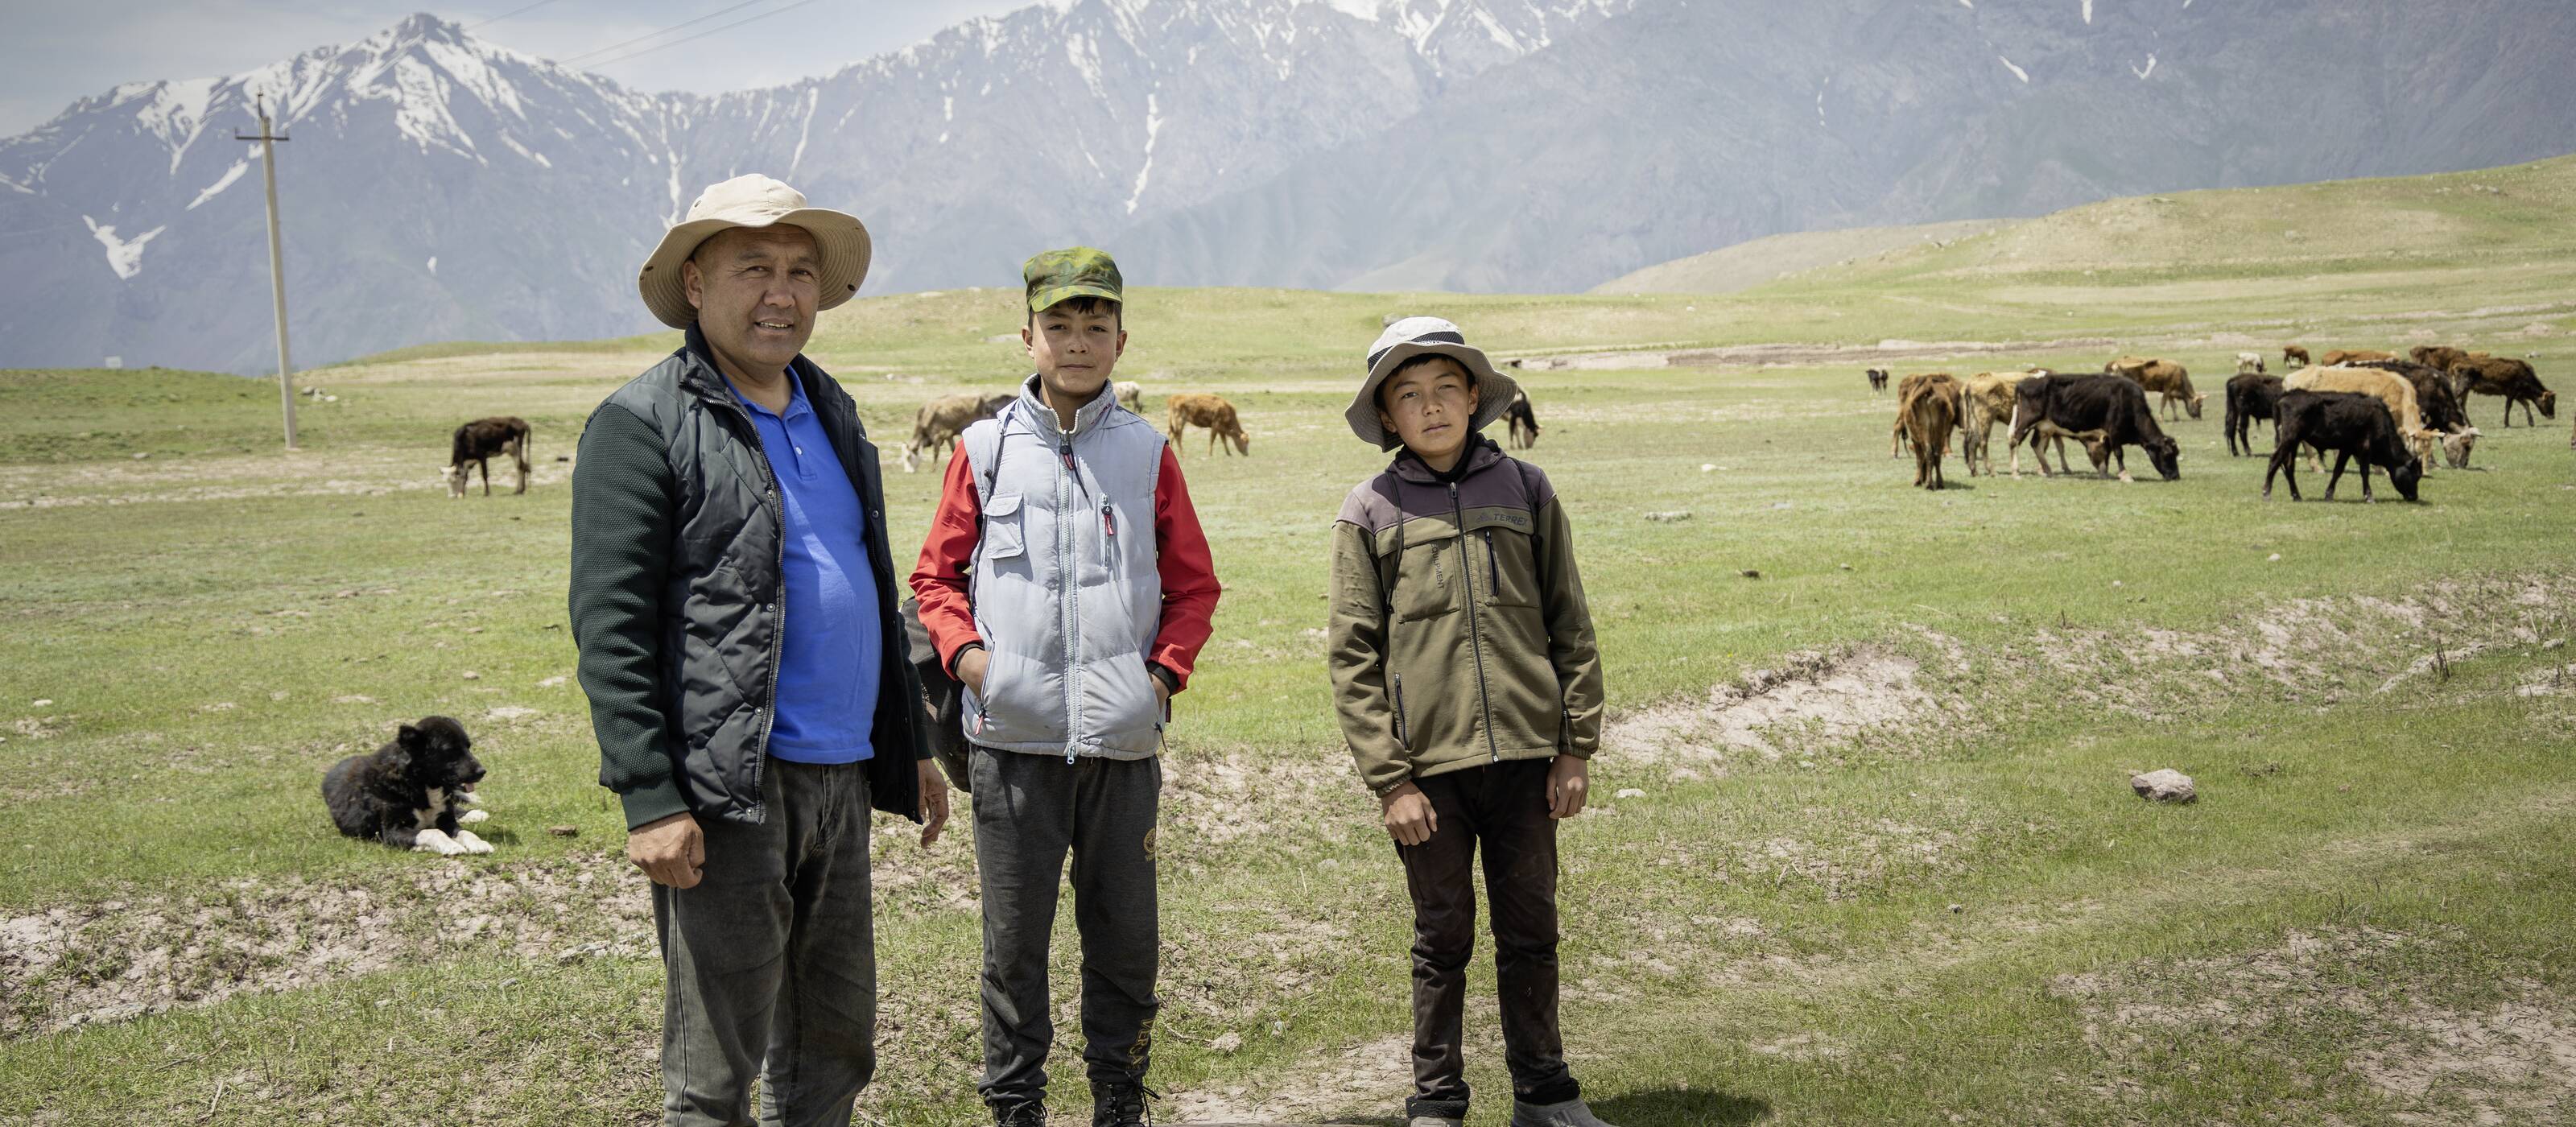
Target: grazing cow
{"points": [[2251, 399], [2351, 425], [2437, 356], [2438, 407], [2170, 382], [2106, 407], [1929, 411], [2293, 354], [1984, 400], [1877, 380], [477, 442], [1131, 395], [1904, 391], [2249, 364], [2511, 378], [1211, 412], [1524, 422], [2343, 356], [937, 424], [2387, 387]]}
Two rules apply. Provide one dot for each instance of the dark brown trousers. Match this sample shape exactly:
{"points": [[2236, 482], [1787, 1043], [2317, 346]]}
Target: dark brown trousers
{"points": [[1502, 810]]}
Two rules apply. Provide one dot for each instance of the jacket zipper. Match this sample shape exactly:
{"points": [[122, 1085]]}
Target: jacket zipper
{"points": [[1402, 739], [1493, 566], [1475, 644], [778, 621], [1072, 614]]}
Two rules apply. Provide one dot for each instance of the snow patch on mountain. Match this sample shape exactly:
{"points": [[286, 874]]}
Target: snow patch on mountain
{"points": [[1153, 126], [221, 183], [125, 256], [2019, 73]]}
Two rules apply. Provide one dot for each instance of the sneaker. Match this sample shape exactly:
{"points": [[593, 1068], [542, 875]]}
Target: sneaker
{"points": [[1571, 1113], [1120, 1103], [1025, 1113]]}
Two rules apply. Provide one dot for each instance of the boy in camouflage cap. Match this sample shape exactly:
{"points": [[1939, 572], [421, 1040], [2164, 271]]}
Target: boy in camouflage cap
{"points": [[1071, 629]]}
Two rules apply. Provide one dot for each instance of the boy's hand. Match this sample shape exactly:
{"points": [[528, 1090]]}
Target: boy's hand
{"points": [[970, 669], [1409, 817], [934, 801], [1569, 780], [672, 851]]}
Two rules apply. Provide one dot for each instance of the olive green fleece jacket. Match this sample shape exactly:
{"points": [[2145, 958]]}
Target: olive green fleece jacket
{"points": [[1459, 632]]}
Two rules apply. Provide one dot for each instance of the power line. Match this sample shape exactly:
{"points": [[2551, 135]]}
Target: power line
{"points": [[614, 48], [510, 13], [700, 35]]}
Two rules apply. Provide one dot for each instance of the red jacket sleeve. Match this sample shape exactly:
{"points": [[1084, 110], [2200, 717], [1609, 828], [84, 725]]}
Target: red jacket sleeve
{"points": [[1188, 573], [939, 580]]}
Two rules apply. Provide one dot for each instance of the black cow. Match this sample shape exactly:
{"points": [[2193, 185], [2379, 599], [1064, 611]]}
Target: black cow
{"points": [[1877, 379], [2353, 426], [1524, 422], [2112, 409], [2250, 400], [478, 441]]}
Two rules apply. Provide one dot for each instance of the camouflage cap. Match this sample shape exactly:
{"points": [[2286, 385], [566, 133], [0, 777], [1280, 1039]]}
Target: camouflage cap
{"points": [[1061, 275]]}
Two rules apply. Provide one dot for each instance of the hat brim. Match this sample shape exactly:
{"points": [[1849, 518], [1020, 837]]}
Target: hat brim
{"points": [[1053, 296], [839, 238], [1494, 390]]}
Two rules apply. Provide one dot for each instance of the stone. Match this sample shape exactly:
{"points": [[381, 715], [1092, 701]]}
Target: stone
{"points": [[471, 675], [564, 831], [2167, 785], [1631, 792], [1669, 517]]}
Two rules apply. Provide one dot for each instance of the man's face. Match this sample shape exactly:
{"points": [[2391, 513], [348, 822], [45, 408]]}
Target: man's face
{"points": [[1428, 406], [755, 290], [1074, 352]]}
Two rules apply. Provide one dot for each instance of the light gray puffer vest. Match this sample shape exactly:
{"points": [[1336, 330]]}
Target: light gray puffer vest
{"points": [[1066, 595]]}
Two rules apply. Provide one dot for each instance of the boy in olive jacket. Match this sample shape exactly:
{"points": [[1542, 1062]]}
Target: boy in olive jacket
{"points": [[1469, 687]]}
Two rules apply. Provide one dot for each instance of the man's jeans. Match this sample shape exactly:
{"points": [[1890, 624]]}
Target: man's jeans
{"points": [[1029, 811], [1503, 808], [770, 962]]}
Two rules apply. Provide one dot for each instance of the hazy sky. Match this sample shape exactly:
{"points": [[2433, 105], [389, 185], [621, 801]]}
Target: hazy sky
{"points": [[55, 53]]}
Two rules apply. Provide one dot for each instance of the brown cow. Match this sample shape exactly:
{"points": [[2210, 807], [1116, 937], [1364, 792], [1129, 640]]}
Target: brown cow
{"points": [[1928, 409], [2342, 356], [477, 442], [937, 424], [1985, 399], [2293, 354], [2438, 357], [1211, 412], [1904, 391], [2170, 381], [2506, 376]]}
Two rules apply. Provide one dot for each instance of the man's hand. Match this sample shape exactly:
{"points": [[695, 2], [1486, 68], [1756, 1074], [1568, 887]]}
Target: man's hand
{"points": [[1162, 696], [970, 669], [1569, 780], [934, 801], [1409, 817], [670, 850]]}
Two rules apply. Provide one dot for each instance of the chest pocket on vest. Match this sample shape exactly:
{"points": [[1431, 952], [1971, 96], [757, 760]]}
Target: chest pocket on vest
{"points": [[1505, 557], [1005, 536], [1428, 583]]}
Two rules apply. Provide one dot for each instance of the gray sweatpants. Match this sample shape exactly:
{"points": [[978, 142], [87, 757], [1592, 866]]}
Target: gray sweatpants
{"points": [[1029, 811], [770, 962]]}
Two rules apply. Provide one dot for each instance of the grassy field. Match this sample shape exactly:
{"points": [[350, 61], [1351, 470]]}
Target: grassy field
{"points": [[1864, 850]]}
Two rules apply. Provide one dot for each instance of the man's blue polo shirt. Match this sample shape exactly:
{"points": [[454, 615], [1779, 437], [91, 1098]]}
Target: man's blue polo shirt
{"points": [[832, 656]]}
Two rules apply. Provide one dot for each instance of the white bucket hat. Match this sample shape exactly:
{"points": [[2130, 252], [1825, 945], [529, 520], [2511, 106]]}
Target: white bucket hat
{"points": [[752, 201], [1421, 336]]}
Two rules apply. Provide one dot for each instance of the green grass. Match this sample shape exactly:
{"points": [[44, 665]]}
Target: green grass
{"points": [[1962, 916]]}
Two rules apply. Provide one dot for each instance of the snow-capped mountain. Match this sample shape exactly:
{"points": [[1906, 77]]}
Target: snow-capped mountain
{"points": [[441, 187]]}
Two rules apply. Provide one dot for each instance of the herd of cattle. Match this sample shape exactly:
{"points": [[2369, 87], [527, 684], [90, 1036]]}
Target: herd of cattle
{"points": [[2360, 405]]}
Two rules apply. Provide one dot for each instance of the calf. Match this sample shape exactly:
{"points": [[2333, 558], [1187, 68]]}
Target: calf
{"points": [[1877, 380], [477, 442], [1131, 395], [2250, 399], [2249, 364], [2106, 407], [1929, 411], [1524, 422], [2353, 426], [1212, 412], [2293, 354], [937, 424], [2505, 376]]}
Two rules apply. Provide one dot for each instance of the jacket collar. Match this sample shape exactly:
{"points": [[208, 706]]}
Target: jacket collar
{"points": [[1042, 417], [1482, 454], [702, 378]]}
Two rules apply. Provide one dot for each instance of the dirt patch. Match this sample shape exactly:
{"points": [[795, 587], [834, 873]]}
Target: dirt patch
{"points": [[1809, 698], [2362, 988], [1372, 1077]]}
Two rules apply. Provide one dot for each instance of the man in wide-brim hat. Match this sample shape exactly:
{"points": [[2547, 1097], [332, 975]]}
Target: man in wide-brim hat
{"points": [[725, 486]]}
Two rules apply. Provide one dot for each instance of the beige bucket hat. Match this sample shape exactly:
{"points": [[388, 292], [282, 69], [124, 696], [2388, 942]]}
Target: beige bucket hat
{"points": [[752, 201], [1421, 336]]}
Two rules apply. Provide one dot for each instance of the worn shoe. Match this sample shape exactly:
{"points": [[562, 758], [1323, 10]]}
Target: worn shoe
{"points": [[1120, 1103], [1571, 1113], [1026, 1113]]}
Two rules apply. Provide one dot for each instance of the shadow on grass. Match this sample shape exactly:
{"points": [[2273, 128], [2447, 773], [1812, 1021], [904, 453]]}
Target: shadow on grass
{"points": [[1681, 1107]]}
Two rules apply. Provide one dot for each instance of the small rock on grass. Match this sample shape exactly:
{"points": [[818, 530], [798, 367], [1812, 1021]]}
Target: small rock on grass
{"points": [[471, 675], [42, 702], [1669, 517], [2166, 785], [2554, 644], [564, 831], [1631, 792]]}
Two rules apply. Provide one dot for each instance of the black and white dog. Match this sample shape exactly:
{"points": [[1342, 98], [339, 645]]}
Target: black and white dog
{"points": [[408, 793]]}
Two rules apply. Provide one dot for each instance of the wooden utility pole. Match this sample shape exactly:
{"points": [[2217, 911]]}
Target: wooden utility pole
{"points": [[276, 263]]}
